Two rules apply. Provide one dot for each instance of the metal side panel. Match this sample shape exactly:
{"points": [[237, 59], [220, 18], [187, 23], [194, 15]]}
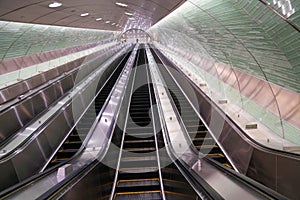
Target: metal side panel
{"points": [[28, 162], [10, 176], [38, 102], [11, 117], [56, 131], [274, 169], [33, 154], [13, 91], [100, 134]]}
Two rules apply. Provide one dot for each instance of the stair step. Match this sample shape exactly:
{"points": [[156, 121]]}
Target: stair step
{"points": [[137, 183], [153, 195], [139, 163], [138, 169]]}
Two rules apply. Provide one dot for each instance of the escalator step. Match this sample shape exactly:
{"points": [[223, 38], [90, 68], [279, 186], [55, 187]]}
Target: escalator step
{"points": [[127, 176], [138, 163], [128, 184], [138, 169], [72, 145], [154, 195], [66, 153], [139, 158], [139, 130], [139, 144]]}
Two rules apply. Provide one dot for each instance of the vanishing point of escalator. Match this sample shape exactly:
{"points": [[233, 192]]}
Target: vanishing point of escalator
{"points": [[138, 176], [76, 137], [201, 138]]}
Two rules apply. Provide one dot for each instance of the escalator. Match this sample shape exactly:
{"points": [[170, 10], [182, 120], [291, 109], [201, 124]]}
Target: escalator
{"points": [[143, 166], [48, 89], [139, 175], [74, 141], [198, 132], [132, 170]]}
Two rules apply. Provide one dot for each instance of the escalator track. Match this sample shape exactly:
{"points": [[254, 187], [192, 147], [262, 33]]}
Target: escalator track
{"points": [[141, 167], [198, 132], [74, 141], [139, 173]]}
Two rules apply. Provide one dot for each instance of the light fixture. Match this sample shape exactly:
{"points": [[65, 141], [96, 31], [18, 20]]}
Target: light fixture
{"points": [[54, 5], [121, 4], [131, 18], [84, 14], [113, 24], [98, 19], [128, 13], [107, 22]]}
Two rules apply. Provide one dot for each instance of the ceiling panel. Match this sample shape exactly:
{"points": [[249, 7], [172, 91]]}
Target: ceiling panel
{"points": [[145, 13]]}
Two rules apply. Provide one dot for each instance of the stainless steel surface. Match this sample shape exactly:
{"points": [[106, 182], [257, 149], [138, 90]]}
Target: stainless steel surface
{"points": [[34, 153], [275, 169], [98, 142], [280, 101], [226, 186], [13, 91], [12, 64], [32, 105]]}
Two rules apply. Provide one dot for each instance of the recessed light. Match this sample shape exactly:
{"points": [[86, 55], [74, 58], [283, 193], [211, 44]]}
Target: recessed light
{"points": [[131, 18], [121, 4], [55, 5], [84, 14], [107, 22], [113, 24], [128, 13], [98, 19]]}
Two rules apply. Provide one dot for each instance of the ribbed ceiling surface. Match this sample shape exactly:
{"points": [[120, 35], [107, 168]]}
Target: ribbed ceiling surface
{"points": [[247, 35], [113, 17]]}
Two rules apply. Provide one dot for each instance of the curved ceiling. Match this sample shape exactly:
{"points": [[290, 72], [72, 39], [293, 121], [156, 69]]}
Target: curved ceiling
{"points": [[251, 36], [102, 14]]}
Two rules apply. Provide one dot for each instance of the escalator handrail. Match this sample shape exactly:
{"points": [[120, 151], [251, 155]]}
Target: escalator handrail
{"points": [[51, 169], [44, 84], [234, 125], [125, 126], [263, 190], [197, 113], [200, 183], [30, 97], [195, 181], [149, 80], [96, 119], [40, 128], [81, 171], [87, 167]]}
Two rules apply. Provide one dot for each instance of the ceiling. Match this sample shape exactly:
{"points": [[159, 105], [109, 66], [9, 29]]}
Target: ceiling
{"points": [[110, 16]]}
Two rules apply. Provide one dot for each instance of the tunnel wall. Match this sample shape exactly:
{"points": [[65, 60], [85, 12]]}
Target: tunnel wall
{"points": [[235, 40], [29, 49], [20, 39]]}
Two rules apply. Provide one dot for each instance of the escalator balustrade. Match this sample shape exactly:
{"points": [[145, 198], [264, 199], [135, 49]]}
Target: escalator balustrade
{"points": [[78, 134], [138, 176], [201, 138]]}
